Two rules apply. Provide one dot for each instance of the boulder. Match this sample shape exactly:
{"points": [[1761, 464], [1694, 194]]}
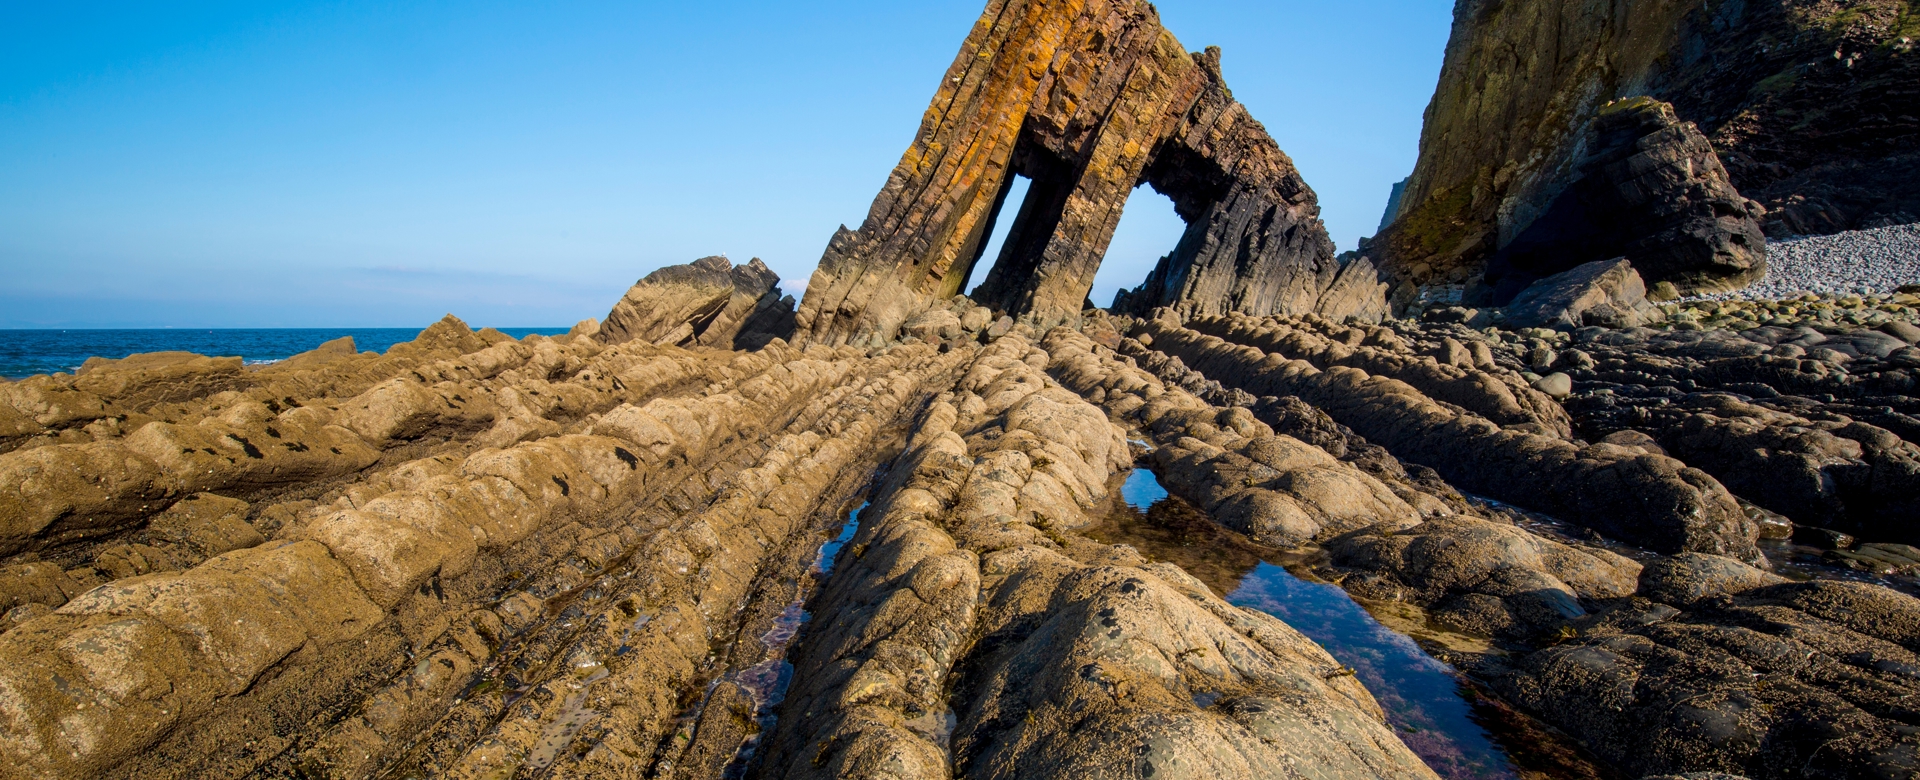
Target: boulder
{"points": [[708, 302], [933, 326], [1649, 188], [1689, 578], [1608, 293], [1556, 385]]}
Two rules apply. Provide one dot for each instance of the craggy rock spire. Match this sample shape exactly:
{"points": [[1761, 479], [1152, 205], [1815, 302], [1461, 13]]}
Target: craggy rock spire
{"points": [[1088, 99]]}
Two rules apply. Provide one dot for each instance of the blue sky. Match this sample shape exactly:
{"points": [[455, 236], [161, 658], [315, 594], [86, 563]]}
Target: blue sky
{"points": [[353, 163]]}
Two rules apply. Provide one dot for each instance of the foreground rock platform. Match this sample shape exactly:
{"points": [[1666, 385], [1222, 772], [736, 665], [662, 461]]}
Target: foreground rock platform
{"points": [[480, 557]]}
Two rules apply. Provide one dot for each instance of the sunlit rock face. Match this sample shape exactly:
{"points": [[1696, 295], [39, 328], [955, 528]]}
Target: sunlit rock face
{"points": [[1089, 100], [709, 302]]}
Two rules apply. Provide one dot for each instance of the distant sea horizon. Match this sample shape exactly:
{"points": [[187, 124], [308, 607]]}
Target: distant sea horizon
{"points": [[28, 352]]}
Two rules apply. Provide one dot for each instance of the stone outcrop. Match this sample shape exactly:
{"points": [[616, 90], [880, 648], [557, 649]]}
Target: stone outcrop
{"points": [[709, 302], [1769, 681], [1656, 502], [1604, 293], [1484, 575], [1682, 663], [896, 534], [190, 670], [1088, 101], [1810, 107], [1080, 659], [556, 555], [1651, 189]]}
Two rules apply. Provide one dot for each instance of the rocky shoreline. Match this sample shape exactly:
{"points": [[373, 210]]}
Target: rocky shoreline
{"points": [[871, 533]]}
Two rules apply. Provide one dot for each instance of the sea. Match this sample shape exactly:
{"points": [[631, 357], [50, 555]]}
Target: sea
{"points": [[24, 353]]}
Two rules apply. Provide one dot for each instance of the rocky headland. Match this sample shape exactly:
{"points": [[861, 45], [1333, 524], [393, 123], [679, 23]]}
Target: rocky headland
{"points": [[1642, 482]]}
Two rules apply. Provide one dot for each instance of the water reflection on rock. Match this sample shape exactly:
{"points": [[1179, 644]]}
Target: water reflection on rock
{"points": [[1440, 715]]}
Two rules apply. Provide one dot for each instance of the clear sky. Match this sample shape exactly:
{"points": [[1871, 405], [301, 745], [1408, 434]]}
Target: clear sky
{"points": [[359, 163]]}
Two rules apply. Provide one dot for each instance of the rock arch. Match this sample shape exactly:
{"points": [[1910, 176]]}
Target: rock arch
{"points": [[1088, 99]]}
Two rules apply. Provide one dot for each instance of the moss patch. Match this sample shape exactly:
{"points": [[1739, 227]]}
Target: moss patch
{"points": [[1437, 225]]}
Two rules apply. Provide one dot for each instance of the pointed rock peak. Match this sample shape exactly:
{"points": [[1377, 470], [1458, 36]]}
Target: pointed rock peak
{"points": [[449, 333]]}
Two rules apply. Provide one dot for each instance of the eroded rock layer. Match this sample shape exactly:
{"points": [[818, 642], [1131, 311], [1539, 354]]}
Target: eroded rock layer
{"points": [[475, 557], [709, 302], [1088, 100]]}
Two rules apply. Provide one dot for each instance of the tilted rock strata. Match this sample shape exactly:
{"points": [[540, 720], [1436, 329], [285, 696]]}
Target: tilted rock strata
{"points": [[553, 602], [1646, 499], [497, 395], [1276, 489], [1473, 572], [1453, 375], [1088, 101], [1668, 673], [1065, 648], [1826, 443], [391, 572], [1484, 576], [112, 398], [709, 302], [1768, 680]]}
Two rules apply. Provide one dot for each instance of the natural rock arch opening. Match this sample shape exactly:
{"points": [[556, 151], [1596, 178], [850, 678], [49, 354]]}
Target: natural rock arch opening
{"points": [[998, 229], [1088, 101], [1150, 230]]}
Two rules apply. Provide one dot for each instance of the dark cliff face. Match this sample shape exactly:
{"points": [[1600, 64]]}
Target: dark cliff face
{"points": [[1650, 189], [1811, 107]]}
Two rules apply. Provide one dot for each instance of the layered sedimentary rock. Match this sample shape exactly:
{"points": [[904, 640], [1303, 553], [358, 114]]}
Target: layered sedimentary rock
{"points": [[709, 302], [1088, 101], [1810, 106], [278, 654], [1079, 659], [554, 555], [1662, 664], [1656, 502], [607, 554]]}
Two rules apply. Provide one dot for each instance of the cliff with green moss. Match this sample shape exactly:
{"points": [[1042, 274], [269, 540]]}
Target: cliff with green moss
{"points": [[1810, 106]]}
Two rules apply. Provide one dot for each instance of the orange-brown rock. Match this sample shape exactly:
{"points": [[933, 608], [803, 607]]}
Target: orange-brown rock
{"points": [[1088, 100]]}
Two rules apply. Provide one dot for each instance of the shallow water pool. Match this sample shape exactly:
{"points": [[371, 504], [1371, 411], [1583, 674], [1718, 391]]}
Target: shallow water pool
{"points": [[1437, 713]]}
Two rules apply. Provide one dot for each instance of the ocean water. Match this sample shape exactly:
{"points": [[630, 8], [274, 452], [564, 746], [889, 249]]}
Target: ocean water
{"points": [[24, 353]]}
